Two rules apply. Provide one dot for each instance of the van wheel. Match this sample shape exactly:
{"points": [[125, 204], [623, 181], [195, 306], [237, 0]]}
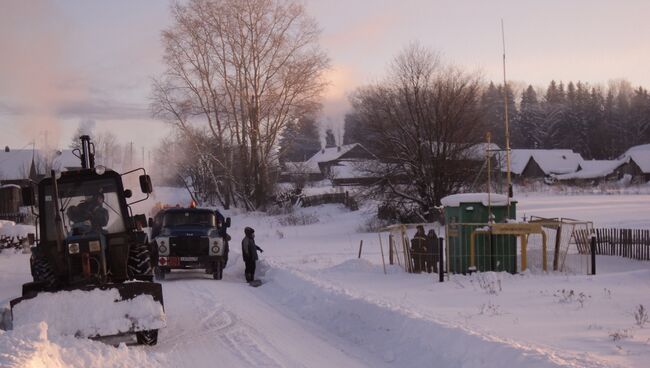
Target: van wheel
{"points": [[218, 270], [159, 273]]}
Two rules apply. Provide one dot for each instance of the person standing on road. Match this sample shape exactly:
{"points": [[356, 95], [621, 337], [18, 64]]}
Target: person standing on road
{"points": [[249, 253]]}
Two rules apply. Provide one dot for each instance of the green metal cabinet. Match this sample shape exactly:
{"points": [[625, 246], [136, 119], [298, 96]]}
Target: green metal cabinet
{"points": [[492, 252]]}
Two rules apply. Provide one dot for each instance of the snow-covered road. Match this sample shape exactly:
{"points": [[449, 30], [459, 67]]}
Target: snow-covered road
{"points": [[235, 325]]}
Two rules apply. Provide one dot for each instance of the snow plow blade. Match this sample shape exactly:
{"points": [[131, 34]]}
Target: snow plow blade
{"points": [[94, 310]]}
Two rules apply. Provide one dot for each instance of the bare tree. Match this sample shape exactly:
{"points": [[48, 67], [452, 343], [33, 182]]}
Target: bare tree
{"points": [[242, 69], [423, 122]]}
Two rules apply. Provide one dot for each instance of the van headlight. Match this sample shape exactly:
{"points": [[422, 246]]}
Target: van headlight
{"points": [[215, 246], [163, 246], [73, 248]]}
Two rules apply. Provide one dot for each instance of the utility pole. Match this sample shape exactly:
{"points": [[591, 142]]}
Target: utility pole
{"points": [[505, 107]]}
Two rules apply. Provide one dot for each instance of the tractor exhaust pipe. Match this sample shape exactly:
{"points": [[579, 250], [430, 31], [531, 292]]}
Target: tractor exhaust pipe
{"points": [[87, 153]]}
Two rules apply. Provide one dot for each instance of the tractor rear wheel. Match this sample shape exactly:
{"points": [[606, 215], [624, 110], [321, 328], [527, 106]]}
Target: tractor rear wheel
{"points": [[139, 264]]}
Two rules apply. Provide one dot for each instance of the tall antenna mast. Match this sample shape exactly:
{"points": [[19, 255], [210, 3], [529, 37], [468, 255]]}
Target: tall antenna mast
{"points": [[505, 109]]}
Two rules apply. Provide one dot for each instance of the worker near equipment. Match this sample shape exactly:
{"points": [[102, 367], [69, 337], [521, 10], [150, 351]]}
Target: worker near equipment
{"points": [[431, 258], [91, 210], [418, 249], [249, 253]]}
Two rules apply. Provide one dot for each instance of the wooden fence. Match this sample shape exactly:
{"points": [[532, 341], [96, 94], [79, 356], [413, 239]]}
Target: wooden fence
{"points": [[344, 198], [18, 217], [628, 243]]}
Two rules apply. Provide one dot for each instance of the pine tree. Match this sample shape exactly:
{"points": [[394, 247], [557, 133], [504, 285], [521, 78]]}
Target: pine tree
{"points": [[493, 107], [528, 132], [554, 120], [299, 140], [639, 118]]}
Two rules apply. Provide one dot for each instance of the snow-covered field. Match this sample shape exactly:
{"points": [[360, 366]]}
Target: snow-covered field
{"points": [[320, 306]]}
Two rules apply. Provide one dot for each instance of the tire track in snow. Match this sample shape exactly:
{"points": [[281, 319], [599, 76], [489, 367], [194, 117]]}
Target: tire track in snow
{"points": [[215, 324]]}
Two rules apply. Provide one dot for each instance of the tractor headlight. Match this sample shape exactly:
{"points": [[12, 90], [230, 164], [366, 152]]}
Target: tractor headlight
{"points": [[73, 248], [94, 246]]}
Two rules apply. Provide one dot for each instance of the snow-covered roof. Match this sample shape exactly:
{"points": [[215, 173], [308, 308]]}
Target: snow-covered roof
{"points": [[492, 199], [330, 154], [63, 160], [15, 164], [352, 169], [324, 155], [592, 169], [641, 147], [551, 161], [640, 155], [479, 151], [301, 167]]}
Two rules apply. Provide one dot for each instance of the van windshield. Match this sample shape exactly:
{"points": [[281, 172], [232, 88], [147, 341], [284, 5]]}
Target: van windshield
{"points": [[189, 218]]}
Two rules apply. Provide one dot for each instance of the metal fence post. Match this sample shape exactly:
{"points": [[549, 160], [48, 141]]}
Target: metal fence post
{"points": [[593, 254], [441, 260]]}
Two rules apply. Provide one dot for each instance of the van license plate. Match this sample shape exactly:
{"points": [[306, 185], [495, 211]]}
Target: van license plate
{"points": [[189, 259]]}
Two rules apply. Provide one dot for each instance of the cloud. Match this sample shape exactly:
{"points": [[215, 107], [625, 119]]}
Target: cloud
{"points": [[366, 32]]}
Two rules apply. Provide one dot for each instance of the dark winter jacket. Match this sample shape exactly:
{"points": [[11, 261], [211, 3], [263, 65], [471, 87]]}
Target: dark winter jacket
{"points": [[249, 249], [432, 242], [418, 243], [90, 210]]}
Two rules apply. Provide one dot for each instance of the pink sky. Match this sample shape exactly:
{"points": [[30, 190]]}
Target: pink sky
{"points": [[67, 61]]}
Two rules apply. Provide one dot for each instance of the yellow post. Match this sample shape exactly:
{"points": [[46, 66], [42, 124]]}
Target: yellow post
{"points": [[544, 249], [472, 251], [381, 247]]}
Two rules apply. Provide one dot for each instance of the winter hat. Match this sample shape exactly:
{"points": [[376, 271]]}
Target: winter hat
{"points": [[248, 231]]}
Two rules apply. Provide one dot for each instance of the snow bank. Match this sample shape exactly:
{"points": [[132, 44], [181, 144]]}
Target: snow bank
{"points": [[398, 336], [30, 346], [10, 228], [85, 313]]}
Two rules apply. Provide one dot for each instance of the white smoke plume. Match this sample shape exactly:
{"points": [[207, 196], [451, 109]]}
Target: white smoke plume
{"points": [[36, 77]]}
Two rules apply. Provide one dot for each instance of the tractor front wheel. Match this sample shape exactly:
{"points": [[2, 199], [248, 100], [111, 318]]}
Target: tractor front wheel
{"points": [[139, 264], [42, 271]]}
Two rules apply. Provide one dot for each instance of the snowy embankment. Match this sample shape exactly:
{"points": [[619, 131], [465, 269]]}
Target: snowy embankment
{"points": [[396, 334], [320, 306]]}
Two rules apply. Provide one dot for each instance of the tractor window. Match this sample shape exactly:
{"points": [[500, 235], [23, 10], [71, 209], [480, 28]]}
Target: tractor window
{"points": [[85, 207], [189, 218]]}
